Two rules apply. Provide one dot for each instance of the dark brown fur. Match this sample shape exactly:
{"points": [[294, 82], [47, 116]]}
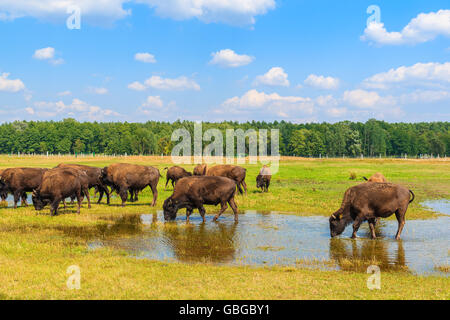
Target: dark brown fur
{"points": [[200, 170], [174, 174], [369, 201], [263, 179], [58, 184], [124, 177], [194, 192], [19, 181], [94, 175], [235, 173]]}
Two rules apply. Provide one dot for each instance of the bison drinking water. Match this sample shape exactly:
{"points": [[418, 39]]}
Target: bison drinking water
{"points": [[194, 192], [263, 179], [369, 201], [174, 174], [94, 175], [19, 181], [124, 177], [58, 184]]}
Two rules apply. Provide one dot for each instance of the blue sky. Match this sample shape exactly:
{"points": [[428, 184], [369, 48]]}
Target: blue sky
{"points": [[213, 60]]}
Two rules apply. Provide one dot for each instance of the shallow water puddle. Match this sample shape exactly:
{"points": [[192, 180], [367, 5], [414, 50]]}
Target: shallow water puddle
{"points": [[280, 239]]}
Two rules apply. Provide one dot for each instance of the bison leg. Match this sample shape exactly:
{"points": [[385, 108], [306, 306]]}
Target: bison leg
{"points": [[54, 207], [356, 225], [86, 193], [202, 212], [235, 209], [167, 182], [154, 188], [136, 194], [188, 213], [245, 186], [223, 207], [24, 199], [400, 215], [17, 195], [372, 223], [123, 193], [108, 194], [79, 200]]}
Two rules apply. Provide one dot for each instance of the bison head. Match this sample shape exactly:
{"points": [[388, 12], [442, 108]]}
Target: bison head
{"points": [[337, 224], [38, 203], [170, 209], [259, 181]]}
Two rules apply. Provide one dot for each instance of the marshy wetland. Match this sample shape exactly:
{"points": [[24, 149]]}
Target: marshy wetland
{"points": [[281, 247]]}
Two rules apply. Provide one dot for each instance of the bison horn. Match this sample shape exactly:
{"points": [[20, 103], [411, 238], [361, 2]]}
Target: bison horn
{"points": [[333, 216]]}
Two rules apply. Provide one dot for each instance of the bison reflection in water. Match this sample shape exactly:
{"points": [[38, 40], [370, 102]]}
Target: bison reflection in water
{"points": [[352, 255], [370, 201], [201, 243]]}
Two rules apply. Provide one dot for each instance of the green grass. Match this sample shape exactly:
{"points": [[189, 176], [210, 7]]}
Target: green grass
{"points": [[36, 249]]}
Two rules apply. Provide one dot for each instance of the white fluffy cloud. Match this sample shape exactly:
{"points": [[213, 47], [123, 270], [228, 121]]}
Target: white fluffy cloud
{"points": [[271, 104], [425, 27], [237, 12], [95, 11], [229, 59], [77, 109], [145, 57], [274, 77], [322, 82], [364, 99], [10, 85], [420, 73], [157, 82], [154, 106], [47, 54]]}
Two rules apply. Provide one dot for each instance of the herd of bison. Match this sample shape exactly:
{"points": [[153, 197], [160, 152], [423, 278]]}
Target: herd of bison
{"points": [[373, 199]]}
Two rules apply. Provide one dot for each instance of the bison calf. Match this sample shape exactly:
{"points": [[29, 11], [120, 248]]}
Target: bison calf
{"points": [[194, 192], [377, 177], [174, 174], [369, 201], [58, 184]]}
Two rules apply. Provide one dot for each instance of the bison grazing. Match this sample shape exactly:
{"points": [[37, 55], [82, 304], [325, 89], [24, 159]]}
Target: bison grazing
{"points": [[19, 181], [94, 175], [3, 188], [58, 184], [369, 201], [124, 177], [235, 173], [377, 177], [174, 174], [200, 170], [263, 179], [194, 192]]}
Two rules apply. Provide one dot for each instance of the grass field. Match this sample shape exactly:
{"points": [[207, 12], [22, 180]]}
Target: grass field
{"points": [[35, 251]]}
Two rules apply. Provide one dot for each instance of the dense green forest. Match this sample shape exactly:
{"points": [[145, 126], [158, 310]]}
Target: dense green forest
{"points": [[372, 138]]}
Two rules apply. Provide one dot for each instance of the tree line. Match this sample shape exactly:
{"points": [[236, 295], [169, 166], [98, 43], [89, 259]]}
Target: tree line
{"points": [[372, 138]]}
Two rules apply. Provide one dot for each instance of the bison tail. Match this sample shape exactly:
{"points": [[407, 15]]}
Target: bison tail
{"points": [[365, 178], [413, 196]]}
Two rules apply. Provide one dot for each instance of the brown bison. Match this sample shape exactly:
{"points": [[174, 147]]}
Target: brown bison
{"points": [[369, 201], [194, 192], [174, 174], [263, 179], [94, 175], [19, 181], [235, 173], [124, 177], [3, 188], [377, 177], [58, 184], [200, 170]]}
